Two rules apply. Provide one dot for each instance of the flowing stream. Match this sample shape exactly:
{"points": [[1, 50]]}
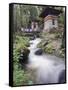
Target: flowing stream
{"points": [[48, 67]]}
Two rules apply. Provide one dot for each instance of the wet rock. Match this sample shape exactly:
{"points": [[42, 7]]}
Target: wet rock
{"points": [[39, 52], [32, 38], [45, 43], [62, 77], [31, 42], [62, 52], [27, 45], [23, 59]]}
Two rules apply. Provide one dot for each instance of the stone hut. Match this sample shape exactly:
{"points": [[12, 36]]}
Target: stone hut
{"points": [[50, 17]]}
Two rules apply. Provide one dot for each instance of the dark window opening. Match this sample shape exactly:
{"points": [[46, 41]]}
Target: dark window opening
{"points": [[34, 25], [53, 22]]}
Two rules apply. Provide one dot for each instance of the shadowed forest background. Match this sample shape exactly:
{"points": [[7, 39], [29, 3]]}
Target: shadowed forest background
{"points": [[52, 43]]}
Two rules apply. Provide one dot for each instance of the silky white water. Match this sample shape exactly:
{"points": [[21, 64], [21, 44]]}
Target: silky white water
{"points": [[48, 67]]}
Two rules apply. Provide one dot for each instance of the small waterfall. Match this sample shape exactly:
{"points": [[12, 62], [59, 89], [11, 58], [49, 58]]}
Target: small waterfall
{"points": [[48, 67]]}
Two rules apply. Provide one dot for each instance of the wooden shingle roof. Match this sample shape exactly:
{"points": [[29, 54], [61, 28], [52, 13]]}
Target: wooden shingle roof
{"points": [[50, 11]]}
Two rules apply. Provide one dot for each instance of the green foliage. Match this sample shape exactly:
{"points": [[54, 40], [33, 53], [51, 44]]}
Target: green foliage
{"points": [[30, 82], [33, 13], [23, 14], [20, 42], [49, 49], [58, 35], [21, 77], [61, 19]]}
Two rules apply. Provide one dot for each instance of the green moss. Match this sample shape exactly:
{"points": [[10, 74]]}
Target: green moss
{"points": [[49, 49]]}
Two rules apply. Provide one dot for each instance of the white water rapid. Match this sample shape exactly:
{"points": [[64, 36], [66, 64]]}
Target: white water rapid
{"points": [[48, 67]]}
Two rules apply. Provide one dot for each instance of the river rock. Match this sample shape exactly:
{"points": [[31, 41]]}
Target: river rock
{"points": [[27, 45], [39, 52], [32, 38], [23, 59], [45, 43], [62, 77]]}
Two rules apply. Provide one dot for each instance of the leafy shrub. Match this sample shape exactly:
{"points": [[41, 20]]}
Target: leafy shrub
{"points": [[49, 49], [20, 42], [58, 35], [20, 76]]}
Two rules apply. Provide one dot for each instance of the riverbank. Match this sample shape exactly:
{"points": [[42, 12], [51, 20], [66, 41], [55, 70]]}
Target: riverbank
{"points": [[21, 76], [51, 43]]}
